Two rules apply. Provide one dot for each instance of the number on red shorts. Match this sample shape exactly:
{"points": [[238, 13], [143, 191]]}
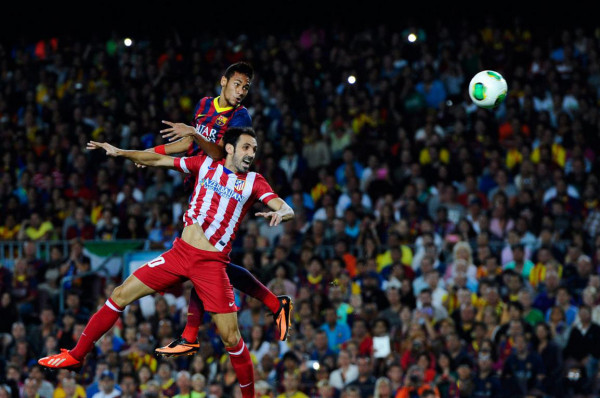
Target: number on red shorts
{"points": [[156, 262]]}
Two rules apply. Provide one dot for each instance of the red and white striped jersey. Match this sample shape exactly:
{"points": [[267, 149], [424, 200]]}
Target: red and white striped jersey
{"points": [[221, 198]]}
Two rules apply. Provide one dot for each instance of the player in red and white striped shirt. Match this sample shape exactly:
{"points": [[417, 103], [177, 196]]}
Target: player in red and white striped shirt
{"points": [[212, 117], [221, 198], [224, 192]]}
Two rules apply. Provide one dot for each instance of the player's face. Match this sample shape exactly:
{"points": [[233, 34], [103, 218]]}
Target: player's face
{"points": [[244, 153], [235, 89]]}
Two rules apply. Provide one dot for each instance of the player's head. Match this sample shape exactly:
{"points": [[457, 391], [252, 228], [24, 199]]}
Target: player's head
{"points": [[235, 82], [241, 67], [240, 146]]}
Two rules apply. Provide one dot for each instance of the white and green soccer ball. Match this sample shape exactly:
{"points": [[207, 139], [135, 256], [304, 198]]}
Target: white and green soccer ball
{"points": [[488, 89]]}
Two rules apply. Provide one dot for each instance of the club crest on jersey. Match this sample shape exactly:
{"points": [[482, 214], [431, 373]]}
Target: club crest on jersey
{"points": [[239, 185], [221, 190], [221, 121]]}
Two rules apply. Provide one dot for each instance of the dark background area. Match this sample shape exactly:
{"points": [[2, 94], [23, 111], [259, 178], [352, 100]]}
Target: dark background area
{"points": [[154, 19]]}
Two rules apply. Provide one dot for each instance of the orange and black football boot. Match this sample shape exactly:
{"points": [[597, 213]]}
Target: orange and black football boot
{"points": [[178, 348], [283, 317]]}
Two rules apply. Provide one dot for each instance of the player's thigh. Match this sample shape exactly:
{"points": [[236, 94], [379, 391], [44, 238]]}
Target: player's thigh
{"points": [[130, 290], [212, 283], [227, 325], [163, 272]]}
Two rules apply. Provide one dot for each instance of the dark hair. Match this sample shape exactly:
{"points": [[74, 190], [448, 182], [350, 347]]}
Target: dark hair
{"points": [[134, 376], [517, 305], [36, 366], [365, 357], [318, 259], [518, 246], [546, 327], [479, 324], [585, 307], [290, 355], [241, 67], [565, 288], [426, 290], [352, 389], [491, 256], [233, 134], [427, 392], [384, 321], [361, 320]]}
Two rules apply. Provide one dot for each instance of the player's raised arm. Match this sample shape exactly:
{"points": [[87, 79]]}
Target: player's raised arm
{"points": [[185, 134], [140, 157], [281, 212], [172, 148]]}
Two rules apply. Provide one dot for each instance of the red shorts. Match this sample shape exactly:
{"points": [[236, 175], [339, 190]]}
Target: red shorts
{"points": [[205, 269]]}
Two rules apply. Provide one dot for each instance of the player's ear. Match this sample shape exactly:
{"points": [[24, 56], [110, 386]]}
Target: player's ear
{"points": [[223, 81], [229, 149]]}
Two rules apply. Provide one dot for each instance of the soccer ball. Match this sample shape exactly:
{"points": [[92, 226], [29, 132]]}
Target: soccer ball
{"points": [[487, 89]]}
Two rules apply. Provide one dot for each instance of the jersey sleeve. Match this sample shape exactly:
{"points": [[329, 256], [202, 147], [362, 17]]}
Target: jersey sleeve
{"points": [[199, 106], [262, 190], [241, 118], [190, 164]]}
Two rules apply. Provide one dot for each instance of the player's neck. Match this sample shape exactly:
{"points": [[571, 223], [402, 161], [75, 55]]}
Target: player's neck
{"points": [[230, 168], [229, 165], [223, 102]]}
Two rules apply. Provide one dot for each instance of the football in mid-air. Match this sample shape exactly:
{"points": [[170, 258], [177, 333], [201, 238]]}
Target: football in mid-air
{"points": [[488, 89]]}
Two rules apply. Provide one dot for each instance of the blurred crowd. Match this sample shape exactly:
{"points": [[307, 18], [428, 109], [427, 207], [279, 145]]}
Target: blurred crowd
{"points": [[438, 250]]}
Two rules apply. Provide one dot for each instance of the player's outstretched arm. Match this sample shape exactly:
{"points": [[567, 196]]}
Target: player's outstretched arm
{"points": [[170, 148], [186, 134], [140, 157], [281, 212]]}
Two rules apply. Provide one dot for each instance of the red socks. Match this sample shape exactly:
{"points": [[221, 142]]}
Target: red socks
{"points": [[271, 301], [246, 282], [99, 323], [194, 317], [242, 364]]}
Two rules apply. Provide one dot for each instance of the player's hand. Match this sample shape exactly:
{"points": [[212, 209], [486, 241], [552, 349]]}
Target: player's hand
{"points": [[273, 215], [177, 131], [110, 149]]}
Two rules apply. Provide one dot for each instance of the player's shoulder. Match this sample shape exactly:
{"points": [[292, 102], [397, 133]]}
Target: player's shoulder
{"points": [[197, 157], [254, 175], [242, 113], [241, 110], [241, 117], [204, 100], [259, 179]]}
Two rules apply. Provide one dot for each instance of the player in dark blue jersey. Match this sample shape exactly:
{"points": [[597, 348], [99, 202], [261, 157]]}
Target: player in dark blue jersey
{"points": [[212, 117]]}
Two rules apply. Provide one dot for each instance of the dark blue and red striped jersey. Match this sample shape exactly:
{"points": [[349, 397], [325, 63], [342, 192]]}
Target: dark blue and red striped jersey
{"points": [[211, 120]]}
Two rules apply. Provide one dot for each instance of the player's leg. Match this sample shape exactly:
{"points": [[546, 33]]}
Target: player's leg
{"points": [[281, 306], [216, 292], [187, 343], [239, 355], [195, 316], [154, 276], [246, 282], [104, 319]]}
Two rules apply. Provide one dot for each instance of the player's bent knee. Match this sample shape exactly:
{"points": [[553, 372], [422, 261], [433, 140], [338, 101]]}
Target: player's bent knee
{"points": [[230, 338], [227, 326], [129, 291], [119, 296]]}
